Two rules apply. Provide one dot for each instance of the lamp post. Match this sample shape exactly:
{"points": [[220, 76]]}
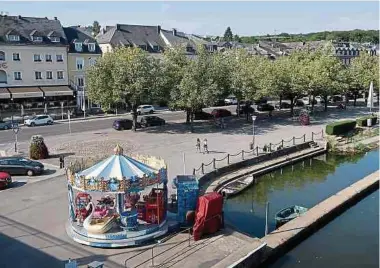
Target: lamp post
{"points": [[16, 129], [253, 131]]}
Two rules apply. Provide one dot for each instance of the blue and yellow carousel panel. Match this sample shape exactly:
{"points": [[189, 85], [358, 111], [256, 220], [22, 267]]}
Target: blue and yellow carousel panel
{"points": [[120, 174]]}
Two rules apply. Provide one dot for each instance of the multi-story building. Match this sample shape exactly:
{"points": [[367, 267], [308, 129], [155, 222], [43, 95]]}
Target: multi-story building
{"points": [[346, 51], [33, 63], [83, 53]]}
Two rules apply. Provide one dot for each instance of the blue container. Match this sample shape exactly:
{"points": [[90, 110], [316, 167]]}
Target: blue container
{"points": [[129, 218], [187, 195]]}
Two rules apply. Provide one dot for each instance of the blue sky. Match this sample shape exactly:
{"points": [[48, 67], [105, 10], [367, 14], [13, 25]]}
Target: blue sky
{"points": [[244, 18]]}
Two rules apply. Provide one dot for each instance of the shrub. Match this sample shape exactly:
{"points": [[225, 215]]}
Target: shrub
{"points": [[340, 127], [37, 148], [362, 122]]}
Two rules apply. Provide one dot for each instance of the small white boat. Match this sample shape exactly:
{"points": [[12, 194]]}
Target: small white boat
{"points": [[288, 214], [237, 186]]}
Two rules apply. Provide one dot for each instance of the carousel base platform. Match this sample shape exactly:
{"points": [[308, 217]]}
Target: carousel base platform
{"points": [[117, 237]]}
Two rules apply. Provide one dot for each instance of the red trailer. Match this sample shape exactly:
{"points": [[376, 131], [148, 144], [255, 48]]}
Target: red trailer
{"points": [[208, 217]]}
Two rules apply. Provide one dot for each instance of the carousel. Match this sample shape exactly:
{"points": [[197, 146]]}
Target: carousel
{"points": [[119, 202]]}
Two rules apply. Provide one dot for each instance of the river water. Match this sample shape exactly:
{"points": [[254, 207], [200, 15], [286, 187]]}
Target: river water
{"points": [[349, 241], [305, 184]]}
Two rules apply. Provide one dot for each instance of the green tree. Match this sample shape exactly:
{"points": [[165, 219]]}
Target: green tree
{"points": [[127, 74], [228, 36], [237, 38], [95, 28]]}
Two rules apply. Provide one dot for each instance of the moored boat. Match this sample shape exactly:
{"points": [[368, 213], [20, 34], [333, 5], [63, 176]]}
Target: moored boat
{"points": [[288, 214], [234, 187]]}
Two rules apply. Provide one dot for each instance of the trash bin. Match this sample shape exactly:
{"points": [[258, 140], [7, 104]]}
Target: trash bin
{"points": [[369, 122]]}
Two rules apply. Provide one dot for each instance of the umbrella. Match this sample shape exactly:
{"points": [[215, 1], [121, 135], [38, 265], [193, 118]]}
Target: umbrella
{"points": [[370, 97], [45, 109]]}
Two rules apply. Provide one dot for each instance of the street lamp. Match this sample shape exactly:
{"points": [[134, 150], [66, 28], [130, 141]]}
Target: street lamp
{"points": [[16, 129], [253, 131]]}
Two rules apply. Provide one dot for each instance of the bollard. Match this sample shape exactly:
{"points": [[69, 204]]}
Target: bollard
{"points": [[194, 171], [228, 159], [304, 137], [203, 168], [312, 136], [282, 143], [294, 140], [242, 154], [257, 150], [213, 163], [322, 133], [270, 147]]}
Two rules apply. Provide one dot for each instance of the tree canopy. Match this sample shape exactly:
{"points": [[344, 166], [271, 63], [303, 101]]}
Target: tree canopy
{"points": [[228, 36]]}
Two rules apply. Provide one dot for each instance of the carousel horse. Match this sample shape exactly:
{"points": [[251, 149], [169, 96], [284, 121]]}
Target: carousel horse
{"points": [[97, 226], [105, 207]]}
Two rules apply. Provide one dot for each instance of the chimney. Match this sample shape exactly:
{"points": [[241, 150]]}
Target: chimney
{"points": [[55, 18], [158, 29], [19, 16], [118, 27], [174, 31]]}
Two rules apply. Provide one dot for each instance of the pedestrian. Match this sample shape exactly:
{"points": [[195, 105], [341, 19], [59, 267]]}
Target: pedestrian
{"points": [[205, 148], [198, 145]]}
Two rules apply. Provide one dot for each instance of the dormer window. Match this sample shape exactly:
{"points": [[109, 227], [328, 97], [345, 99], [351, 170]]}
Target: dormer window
{"points": [[156, 48], [37, 38], [14, 38], [55, 39], [78, 47], [91, 47], [143, 47]]}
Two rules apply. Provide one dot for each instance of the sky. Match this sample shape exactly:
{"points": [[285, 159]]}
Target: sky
{"points": [[210, 18]]}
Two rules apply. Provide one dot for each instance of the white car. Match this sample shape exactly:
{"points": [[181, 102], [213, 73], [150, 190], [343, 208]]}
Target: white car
{"points": [[145, 109], [39, 120], [230, 101]]}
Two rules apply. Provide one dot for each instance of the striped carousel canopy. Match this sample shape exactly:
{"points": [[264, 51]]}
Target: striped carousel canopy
{"points": [[118, 166]]}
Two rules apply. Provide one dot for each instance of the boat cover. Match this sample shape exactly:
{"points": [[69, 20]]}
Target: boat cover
{"points": [[208, 218]]}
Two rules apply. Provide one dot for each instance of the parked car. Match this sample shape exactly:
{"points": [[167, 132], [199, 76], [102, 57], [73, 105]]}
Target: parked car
{"points": [[299, 103], [148, 121], [336, 98], [39, 120], [217, 113], [5, 180], [5, 125], [145, 109], [20, 166], [265, 107], [201, 115], [122, 124], [230, 101], [319, 99], [260, 101], [284, 105], [245, 109]]}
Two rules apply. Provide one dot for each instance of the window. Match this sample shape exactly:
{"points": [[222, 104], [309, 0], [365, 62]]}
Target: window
{"points": [[49, 75], [37, 38], [38, 75], [80, 81], [2, 56], [78, 47], [17, 75], [80, 63], [91, 47], [156, 48], [55, 39], [13, 38], [59, 58], [37, 57], [143, 47], [60, 75], [16, 56], [91, 62], [48, 58]]}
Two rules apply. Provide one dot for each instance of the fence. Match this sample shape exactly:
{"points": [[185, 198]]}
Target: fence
{"points": [[243, 155]]}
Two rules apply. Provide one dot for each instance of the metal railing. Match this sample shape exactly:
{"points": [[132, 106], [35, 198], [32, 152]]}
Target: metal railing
{"points": [[271, 147]]}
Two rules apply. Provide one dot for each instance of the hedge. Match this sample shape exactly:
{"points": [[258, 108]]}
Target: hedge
{"points": [[362, 122], [341, 127]]}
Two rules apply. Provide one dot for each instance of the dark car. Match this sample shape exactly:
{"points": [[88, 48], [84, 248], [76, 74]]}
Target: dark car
{"points": [[265, 107], [336, 99], [260, 101], [201, 115], [121, 124], [299, 103], [219, 103], [217, 113], [20, 166], [245, 109], [5, 125], [284, 105], [148, 121]]}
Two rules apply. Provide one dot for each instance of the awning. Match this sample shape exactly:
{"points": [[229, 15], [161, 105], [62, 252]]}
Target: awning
{"points": [[25, 92], [4, 93], [57, 91]]}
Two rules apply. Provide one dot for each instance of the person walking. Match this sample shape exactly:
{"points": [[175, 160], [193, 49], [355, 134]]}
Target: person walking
{"points": [[205, 147], [198, 145]]}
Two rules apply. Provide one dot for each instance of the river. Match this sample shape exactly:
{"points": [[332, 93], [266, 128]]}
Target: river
{"points": [[305, 184]]}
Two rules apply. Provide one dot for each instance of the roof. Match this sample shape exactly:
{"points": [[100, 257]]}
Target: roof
{"points": [[132, 35], [177, 39], [76, 35], [25, 26]]}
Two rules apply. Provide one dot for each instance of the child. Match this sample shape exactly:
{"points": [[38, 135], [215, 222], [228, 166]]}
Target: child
{"points": [[198, 145], [205, 149]]}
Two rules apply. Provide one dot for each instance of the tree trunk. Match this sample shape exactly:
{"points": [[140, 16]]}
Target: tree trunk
{"points": [[191, 121], [188, 114], [346, 98], [134, 117], [312, 104], [291, 106], [355, 96], [280, 101], [238, 107], [325, 98]]}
